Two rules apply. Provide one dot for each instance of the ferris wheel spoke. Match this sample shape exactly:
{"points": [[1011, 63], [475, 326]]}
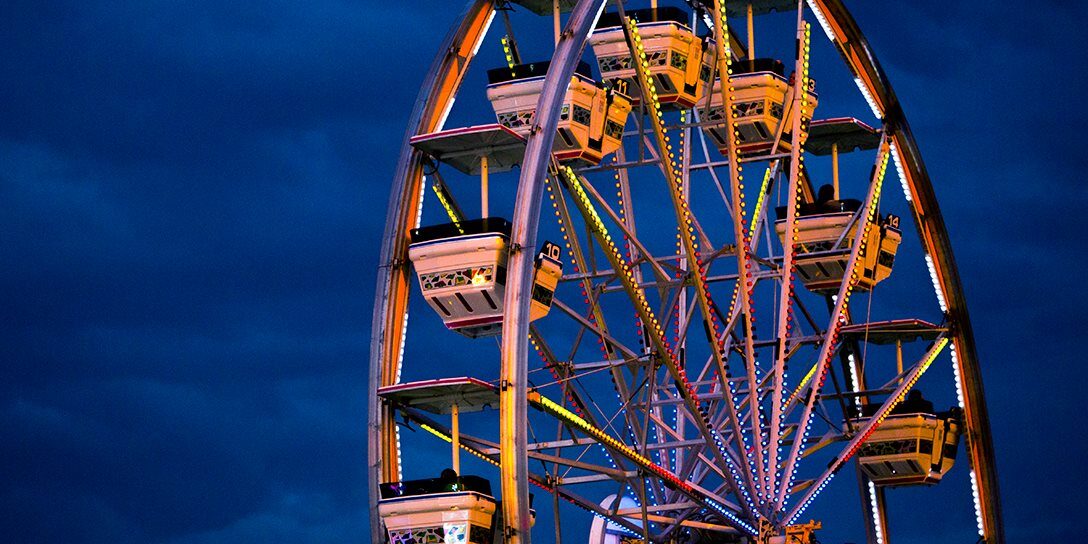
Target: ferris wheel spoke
{"points": [[688, 226], [855, 443], [664, 352], [837, 319], [786, 293], [745, 282]]}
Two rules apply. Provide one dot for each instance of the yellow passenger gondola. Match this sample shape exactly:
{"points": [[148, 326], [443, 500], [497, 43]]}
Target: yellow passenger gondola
{"points": [[912, 446], [763, 106], [591, 121], [680, 62], [825, 230]]}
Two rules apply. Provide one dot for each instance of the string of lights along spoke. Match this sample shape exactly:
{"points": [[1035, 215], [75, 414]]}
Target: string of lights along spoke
{"points": [[654, 328], [745, 278], [674, 180], [678, 312], [785, 316], [446, 200], [859, 440], [827, 351]]}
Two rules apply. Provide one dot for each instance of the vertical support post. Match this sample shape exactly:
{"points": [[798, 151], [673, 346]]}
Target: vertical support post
{"points": [[835, 173], [455, 435], [751, 39], [555, 20], [899, 359], [483, 187]]}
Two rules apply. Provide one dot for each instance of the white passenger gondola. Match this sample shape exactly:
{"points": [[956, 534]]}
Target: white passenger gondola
{"points": [[680, 62], [591, 121], [462, 273], [762, 102], [825, 230], [912, 446], [450, 508], [458, 509]]}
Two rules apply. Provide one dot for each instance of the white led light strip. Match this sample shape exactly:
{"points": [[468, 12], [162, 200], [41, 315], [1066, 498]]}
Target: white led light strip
{"points": [[823, 20], [901, 172], [978, 503], [869, 98], [936, 284], [877, 526], [956, 375]]}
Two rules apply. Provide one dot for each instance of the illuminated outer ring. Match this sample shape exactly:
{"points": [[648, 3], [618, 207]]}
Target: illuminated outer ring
{"points": [[394, 273], [436, 97], [855, 50]]}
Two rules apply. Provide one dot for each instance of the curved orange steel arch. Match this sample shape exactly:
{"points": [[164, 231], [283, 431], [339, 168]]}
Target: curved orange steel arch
{"points": [[436, 96], [855, 50]]}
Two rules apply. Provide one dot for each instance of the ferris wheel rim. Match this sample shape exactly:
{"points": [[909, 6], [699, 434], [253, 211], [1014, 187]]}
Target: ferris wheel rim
{"points": [[932, 226], [390, 316]]}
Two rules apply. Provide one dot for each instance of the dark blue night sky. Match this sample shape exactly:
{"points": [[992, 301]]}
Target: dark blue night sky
{"points": [[191, 200]]}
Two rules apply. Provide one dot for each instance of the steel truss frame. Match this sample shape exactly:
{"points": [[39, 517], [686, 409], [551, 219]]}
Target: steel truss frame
{"points": [[749, 482]]}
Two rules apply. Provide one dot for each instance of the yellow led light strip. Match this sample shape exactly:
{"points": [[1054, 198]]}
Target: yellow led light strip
{"points": [[759, 202], [465, 447], [683, 212], [444, 198], [509, 54], [867, 222]]}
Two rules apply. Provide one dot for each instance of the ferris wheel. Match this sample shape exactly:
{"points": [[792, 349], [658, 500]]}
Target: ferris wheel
{"points": [[705, 308]]}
